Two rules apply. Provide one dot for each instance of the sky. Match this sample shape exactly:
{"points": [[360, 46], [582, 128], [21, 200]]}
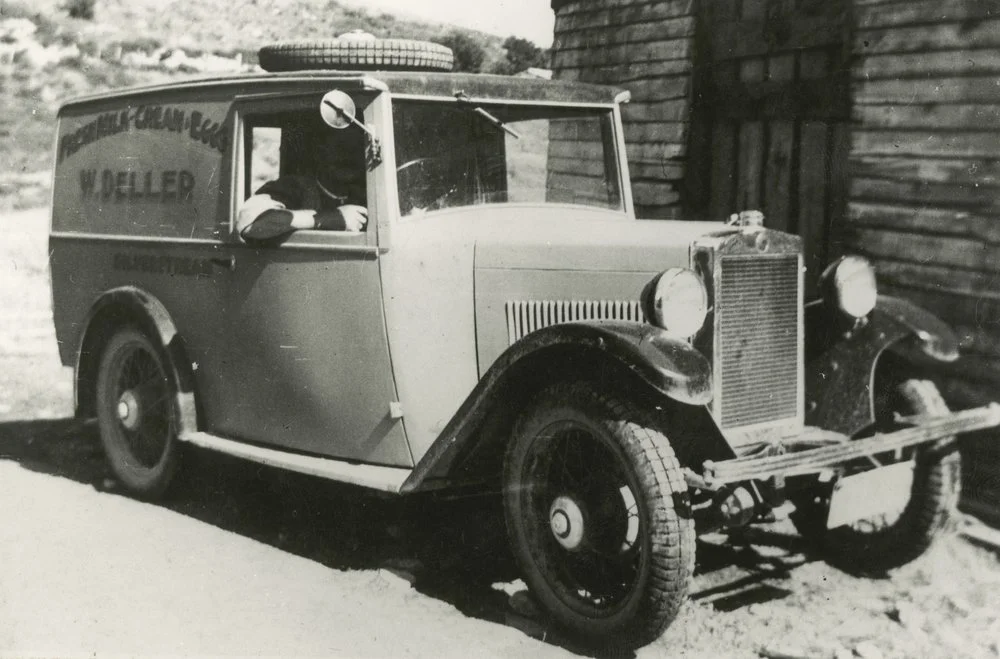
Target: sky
{"points": [[529, 19]]}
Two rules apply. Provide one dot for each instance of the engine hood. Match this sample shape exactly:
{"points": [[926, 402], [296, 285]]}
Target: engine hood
{"points": [[461, 285], [591, 244], [531, 272]]}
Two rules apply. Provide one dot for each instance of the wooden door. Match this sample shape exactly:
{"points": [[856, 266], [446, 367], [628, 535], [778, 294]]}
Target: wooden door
{"points": [[770, 110]]}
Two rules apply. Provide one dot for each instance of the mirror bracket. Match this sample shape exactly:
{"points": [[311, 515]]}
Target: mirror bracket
{"points": [[339, 111]]}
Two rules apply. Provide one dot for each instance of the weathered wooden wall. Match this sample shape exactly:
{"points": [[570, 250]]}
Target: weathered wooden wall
{"points": [[925, 180], [771, 117], [576, 162], [645, 46], [922, 152]]}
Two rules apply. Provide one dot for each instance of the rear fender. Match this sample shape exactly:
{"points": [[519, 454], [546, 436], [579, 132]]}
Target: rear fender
{"points": [[129, 305], [603, 350]]}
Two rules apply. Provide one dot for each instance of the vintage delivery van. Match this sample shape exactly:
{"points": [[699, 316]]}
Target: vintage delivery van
{"points": [[502, 323]]}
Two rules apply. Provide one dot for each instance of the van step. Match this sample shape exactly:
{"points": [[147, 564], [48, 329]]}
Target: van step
{"points": [[386, 479]]}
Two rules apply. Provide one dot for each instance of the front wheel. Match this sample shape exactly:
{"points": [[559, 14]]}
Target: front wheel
{"points": [[887, 541], [596, 509], [136, 413]]}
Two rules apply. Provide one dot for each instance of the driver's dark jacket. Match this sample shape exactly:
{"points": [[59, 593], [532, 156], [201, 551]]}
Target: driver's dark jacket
{"points": [[303, 193]]}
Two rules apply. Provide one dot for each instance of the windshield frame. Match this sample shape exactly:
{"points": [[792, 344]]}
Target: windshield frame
{"points": [[615, 153]]}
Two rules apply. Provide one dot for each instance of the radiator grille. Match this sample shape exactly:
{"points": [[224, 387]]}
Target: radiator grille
{"points": [[526, 316], [757, 316]]}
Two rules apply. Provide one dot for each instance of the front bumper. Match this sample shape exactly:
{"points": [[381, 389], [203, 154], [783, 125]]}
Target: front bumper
{"points": [[815, 450]]}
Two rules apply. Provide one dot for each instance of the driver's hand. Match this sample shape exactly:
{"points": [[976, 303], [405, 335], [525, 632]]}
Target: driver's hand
{"points": [[355, 217], [348, 217]]}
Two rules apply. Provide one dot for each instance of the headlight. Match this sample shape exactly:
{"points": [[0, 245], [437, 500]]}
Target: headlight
{"points": [[854, 286], [676, 301]]}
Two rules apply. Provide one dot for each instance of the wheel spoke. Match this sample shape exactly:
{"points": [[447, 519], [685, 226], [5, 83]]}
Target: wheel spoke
{"points": [[602, 569], [124, 376], [567, 476], [608, 574], [582, 499], [140, 375], [158, 404], [143, 442]]}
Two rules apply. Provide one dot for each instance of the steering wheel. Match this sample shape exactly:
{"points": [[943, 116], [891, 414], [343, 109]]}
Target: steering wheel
{"points": [[416, 162], [421, 180]]}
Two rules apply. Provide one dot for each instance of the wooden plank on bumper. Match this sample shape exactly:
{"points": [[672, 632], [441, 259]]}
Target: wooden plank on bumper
{"points": [[817, 459]]}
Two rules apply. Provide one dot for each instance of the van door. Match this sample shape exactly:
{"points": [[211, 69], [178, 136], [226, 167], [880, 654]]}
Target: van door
{"points": [[305, 360]]}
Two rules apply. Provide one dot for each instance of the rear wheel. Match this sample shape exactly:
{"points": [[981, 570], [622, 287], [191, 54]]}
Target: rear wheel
{"points": [[887, 541], [595, 505], [136, 413]]}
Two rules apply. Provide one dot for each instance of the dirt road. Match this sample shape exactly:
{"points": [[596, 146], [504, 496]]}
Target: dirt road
{"points": [[245, 560], [88, 572]]}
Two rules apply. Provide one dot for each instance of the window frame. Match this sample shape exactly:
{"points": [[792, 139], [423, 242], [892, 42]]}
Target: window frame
{"points": [[615, 155], [246, 109]]}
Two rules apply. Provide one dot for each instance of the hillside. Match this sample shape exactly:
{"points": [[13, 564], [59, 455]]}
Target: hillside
{"points": [[240, 25], [46, 56]]}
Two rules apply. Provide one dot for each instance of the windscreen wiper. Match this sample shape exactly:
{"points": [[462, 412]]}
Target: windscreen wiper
{"points": [[464, 98]]}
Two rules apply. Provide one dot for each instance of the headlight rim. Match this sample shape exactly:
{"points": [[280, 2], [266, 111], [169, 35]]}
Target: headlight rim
{"points": [[841, 276], [657, 291]]}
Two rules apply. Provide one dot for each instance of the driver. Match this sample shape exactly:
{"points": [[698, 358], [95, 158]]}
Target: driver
{"points": [[329, 195]]}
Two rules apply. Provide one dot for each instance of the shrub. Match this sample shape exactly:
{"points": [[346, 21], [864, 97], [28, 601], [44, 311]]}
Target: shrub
{"points": [[82, 9], [521, 54], [47, 29], [469, 55], [16, 10]]}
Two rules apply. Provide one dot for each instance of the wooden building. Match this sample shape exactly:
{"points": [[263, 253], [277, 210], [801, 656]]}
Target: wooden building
{"points": [[869, 126]]}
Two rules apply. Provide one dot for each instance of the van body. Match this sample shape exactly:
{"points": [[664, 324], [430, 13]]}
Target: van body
{"points": [[503, 324]]}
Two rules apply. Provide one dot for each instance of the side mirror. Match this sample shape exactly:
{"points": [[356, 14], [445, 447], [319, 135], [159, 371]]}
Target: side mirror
{"points": [[338, 111]]}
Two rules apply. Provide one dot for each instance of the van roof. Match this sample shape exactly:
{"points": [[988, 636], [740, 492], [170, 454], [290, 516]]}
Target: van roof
{"points": [[481, 87]]}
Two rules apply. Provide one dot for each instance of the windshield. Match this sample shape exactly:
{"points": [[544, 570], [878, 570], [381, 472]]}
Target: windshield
{"points": [[469, 153]]}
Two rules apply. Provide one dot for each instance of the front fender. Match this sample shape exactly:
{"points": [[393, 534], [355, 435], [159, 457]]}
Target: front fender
{"points": [[670, 366], [931, 335], [841, 369]]}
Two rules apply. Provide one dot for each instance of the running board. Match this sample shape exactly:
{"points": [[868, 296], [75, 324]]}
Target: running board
{"points": [[385, 479]]}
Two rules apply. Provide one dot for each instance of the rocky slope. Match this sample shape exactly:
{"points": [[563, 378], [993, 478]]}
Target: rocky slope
{"points": [[45, 57]]}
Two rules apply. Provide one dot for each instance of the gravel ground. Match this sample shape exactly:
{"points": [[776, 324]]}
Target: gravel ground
{"points": [[245, 560]]}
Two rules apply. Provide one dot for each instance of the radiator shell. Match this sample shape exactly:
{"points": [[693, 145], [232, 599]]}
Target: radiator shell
{"points": [[754, 334]]}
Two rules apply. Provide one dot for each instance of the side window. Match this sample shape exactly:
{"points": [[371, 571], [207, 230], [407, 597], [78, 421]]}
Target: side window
{"points": [[265, 156], [319, 166]]}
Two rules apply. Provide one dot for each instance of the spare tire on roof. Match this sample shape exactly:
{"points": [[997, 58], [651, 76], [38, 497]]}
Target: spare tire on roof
{"points": [[357, 51]]}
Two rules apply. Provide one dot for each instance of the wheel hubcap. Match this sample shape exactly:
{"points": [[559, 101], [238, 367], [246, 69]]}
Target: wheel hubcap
{"points": [[566, 522], [128, 410]]}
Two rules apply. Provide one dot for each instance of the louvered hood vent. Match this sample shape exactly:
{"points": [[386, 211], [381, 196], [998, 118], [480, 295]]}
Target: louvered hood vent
{"points": [[526, 316]]}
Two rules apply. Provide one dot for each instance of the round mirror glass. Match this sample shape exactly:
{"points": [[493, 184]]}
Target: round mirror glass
{"points": [[337, 109]]}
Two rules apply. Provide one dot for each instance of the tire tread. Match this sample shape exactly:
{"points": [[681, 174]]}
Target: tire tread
{"points": [[340, 54]]}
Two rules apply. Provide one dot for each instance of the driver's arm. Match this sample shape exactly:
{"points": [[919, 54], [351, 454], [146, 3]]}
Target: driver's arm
{"points": [[263, 217]]}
